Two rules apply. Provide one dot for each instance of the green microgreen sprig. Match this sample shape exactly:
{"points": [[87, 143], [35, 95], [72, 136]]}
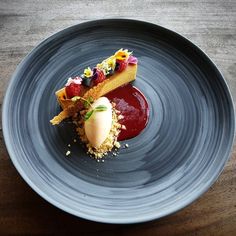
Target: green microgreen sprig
{"points": [[96, 109], [87, 102]]}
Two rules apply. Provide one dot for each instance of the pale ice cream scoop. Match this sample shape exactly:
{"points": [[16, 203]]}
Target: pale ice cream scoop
{"points": [[98, 126]]}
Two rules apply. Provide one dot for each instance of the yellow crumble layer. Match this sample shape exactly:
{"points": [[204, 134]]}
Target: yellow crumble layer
{"points": [[111, 140]]}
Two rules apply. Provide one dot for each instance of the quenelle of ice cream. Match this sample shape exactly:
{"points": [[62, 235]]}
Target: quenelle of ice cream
{"points": [[98, 125]]}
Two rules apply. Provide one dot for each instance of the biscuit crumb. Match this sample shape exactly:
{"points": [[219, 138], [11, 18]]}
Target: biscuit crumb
{"points": [[108, 144], [116, 144], [120, 117], [68, 153], [123, 127]]}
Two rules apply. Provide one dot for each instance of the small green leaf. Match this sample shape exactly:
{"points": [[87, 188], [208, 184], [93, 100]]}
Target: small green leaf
{"points": [[90, 99], [87, 102], [100, 108], [88, 114]]}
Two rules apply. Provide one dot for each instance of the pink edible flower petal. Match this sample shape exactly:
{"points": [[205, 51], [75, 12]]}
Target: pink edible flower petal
{"points": [[132, 60], [75, 80]]}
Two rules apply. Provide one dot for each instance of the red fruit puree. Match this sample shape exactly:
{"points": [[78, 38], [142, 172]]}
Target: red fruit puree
{"points": [[133, 106]]}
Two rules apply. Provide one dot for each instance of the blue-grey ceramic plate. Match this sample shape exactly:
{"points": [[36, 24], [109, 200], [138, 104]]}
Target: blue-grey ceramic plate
{"points": [[170, 164]]}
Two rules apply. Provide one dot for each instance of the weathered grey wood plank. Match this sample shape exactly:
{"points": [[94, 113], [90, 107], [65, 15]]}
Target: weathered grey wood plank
{"points": [[23, 24]]}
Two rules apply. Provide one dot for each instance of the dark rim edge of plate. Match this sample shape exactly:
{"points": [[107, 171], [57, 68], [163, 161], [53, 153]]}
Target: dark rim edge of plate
{"points": [[97, 219]]}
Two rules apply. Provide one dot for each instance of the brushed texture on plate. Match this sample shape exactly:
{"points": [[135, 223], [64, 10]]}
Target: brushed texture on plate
{"points": [[172, 162]]}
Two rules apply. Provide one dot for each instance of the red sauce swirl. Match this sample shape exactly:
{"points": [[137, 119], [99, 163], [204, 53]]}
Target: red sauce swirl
{"points": [[133, 106]]}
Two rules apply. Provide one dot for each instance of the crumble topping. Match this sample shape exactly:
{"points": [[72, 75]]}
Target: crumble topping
{"points": [[111, 140]]}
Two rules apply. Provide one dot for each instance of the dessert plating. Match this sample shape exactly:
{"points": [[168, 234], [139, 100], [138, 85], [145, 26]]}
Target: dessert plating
{"points": [[98, 120]]}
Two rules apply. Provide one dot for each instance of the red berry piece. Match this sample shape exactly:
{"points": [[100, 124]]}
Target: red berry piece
{"points": [[98, 76], [121, 65], [73, 87]]}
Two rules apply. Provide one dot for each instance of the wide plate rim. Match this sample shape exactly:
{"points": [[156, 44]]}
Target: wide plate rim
{"points": [[80, 214]]}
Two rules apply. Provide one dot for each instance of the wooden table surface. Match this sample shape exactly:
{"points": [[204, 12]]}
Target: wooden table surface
{"points": [[23, 24]]}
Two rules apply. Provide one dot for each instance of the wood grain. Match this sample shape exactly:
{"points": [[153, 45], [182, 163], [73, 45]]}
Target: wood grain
{"points": [[23, 24]]}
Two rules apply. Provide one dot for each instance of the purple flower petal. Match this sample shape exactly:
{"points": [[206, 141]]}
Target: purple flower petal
{"points": [[74, 80], [132, 60], [95, 73]]}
